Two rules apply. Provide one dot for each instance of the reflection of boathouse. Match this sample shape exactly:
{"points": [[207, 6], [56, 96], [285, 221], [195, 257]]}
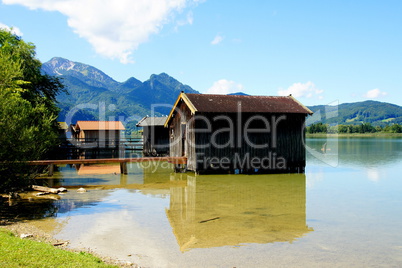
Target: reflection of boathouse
{"points": [[238, 133], [231, 210]]}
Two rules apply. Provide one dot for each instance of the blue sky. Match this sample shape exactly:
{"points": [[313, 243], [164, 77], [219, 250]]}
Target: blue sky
{"points": [[320, 51]]}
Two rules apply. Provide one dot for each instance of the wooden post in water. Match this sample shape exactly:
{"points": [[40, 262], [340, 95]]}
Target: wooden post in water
{"points": [[180, 168], [51, 169], [123, 168]]}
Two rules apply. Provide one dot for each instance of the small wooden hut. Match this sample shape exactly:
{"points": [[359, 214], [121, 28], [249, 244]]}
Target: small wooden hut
{"points": [[155, 136], [233, 133]]}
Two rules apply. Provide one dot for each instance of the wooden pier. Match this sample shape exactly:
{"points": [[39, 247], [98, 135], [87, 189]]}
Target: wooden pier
{"points": [[177, 161]]}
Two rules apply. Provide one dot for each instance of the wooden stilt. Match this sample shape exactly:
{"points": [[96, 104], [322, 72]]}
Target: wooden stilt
{"points": [[123, 168], [51, 169], [180, 168]]}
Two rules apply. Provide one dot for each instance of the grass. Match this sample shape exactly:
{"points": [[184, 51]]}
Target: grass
{"points": [[388, 120], [17, 252], [352, 119]]}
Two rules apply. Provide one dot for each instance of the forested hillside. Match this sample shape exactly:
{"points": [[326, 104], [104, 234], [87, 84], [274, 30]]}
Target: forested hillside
{"points": [[374, 112]]}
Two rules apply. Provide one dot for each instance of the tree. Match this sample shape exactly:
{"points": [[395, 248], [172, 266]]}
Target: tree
{"points": [[41, 88], [318, 128], [343, 129], [395, 128], [28, 111], [366, 128]]}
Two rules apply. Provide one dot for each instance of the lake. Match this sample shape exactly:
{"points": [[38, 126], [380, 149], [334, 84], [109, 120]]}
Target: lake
{"points": [[345, 211]]}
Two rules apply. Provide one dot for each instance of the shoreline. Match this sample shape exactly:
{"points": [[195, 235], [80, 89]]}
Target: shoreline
{"points": [[354, 135], [38, 235]]}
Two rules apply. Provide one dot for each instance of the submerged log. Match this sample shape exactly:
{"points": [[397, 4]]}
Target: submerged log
{"points": [[216, 218], [43, 195]]}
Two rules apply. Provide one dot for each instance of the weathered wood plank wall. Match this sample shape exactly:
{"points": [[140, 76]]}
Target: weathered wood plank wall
{"points": [[283, 138]]}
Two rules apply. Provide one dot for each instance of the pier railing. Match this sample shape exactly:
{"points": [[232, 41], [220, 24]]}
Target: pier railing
{"points": [[94, 143]]}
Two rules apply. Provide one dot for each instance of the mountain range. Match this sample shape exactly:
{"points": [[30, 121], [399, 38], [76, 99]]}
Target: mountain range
{"points": [[93, 95]]}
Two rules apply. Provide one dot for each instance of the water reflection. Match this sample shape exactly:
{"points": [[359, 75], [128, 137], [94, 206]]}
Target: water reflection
{"points": [[360, 152], [19, 210], [156, 218], [204, 211], [215, 211], [98, 169]]}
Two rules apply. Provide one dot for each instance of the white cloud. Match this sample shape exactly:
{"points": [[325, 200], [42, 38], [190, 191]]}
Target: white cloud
{"points": [[224, 86], [188, 20], [374, 94], [114, 28], [14, 30], [218, 39], [300, 90]]}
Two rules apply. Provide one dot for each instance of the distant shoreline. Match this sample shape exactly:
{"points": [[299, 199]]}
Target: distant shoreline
{"points": [[355, 135]]}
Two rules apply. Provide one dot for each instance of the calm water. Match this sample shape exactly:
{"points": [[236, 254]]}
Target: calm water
{"points": [[346, 211]]}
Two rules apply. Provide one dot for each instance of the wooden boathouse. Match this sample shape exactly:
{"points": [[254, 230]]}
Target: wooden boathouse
{"points": [[105, 133], [155, 136], [90, 139], [238, 134]]}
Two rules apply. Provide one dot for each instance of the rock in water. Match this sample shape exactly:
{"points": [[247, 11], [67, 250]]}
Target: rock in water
{"points": [[62, 189], [26, 235]]}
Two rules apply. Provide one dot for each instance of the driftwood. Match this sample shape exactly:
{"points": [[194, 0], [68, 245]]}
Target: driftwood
{"points": [[59, 244], [45, 189]]}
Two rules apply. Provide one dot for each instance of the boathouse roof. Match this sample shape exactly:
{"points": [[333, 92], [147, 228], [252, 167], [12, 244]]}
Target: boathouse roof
{"points": [[151, 121], [209, 103], [99, 125]]}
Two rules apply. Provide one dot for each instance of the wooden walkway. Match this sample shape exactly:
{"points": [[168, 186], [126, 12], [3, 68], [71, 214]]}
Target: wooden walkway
{"points": [[123, 162]]}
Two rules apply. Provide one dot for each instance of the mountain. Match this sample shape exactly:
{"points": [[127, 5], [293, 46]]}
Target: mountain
{"points": [[374, 112], [239, 94], [85, 73], [93, 95]]}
